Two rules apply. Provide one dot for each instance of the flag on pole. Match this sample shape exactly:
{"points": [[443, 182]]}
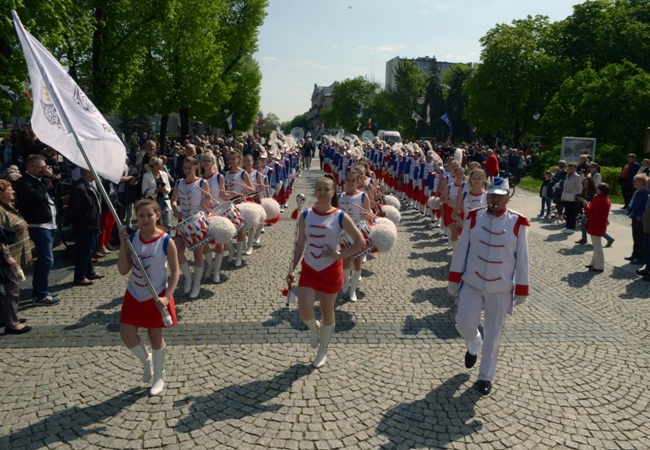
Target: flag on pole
{"points": [[415, 116], [15, 97], [428, 113], [231, 122], [445, 119], [61, 110]]}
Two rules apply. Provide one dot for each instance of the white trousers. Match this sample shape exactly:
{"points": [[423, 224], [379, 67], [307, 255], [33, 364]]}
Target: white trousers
{"points": [[468, 318], [598, 258]]}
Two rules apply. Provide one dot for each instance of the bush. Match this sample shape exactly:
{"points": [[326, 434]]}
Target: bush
{"points": [[611, 175]]}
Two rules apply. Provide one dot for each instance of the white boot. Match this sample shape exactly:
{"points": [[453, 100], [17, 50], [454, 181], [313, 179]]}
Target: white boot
{"points": [[208, 265], [144, 356], [249, 242], [314, 331], [158, 357], [217, 267], [346, 277], [196, 287], [187, 277], [325, 336], [231, 252], [240, 247], [258, 234], [354, 281]]}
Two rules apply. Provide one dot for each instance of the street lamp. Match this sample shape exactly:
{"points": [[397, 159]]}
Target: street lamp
{"points": [[421, 99], [536, 116]]}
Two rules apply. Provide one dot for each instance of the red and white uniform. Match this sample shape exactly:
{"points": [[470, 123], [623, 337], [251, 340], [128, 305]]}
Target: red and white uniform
{"points": [[235, 182], [139, 308], [190, 196], [215, 188], [491, 263], [353, 205], [473, 201], [453, 191], [322, 231]]}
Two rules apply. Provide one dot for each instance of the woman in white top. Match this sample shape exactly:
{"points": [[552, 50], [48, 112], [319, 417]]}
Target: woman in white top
{"points": [[319, 230], [356, 204], [257, 179], [238, 183], [217, 194], [155, 183], [473, 196], [190, 196], [451, 192]]}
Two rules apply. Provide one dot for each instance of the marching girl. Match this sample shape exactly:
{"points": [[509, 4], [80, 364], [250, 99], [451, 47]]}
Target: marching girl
{"points": [[157, 252], [217, 188], [257, 180], [451, 192], [238, 182], [265, 192], [319, 230], [356, 204], [191, 195], [473, 196]]}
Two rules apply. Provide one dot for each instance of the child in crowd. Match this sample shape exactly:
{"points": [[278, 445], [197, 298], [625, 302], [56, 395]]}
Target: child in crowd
{"points": [[546, 194]]}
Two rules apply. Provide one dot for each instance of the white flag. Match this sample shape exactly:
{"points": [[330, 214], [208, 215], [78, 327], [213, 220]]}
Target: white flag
{"points": [[428, 113], [415, 116], [60, 107]]}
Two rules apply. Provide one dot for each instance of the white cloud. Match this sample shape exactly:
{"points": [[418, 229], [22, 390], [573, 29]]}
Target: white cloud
{"points": [[309, 63], [385, 48], [268, 58]]}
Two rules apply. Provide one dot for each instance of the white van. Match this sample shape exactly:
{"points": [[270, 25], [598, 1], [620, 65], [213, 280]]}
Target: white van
{"points": [[392, 137]]}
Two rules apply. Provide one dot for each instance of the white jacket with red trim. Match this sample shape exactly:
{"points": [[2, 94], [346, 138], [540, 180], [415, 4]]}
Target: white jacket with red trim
{"points": [[492, 253]]}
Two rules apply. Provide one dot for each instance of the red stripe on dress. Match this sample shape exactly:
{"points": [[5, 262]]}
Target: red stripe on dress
{"points": [[486, 279], [490, 245], [492, 232]]}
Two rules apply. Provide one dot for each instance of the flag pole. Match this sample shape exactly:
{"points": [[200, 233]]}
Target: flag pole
{"points": [[165, 314]]}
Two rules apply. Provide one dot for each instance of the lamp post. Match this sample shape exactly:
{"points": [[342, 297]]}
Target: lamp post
{"points": [[536, 116], [421, 99]]}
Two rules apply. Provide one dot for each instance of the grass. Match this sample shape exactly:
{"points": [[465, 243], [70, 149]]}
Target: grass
{"points": [[532, 184]]}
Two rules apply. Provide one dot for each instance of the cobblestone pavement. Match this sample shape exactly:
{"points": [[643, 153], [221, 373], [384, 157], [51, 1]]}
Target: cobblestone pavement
{"points": [[573, 369]]}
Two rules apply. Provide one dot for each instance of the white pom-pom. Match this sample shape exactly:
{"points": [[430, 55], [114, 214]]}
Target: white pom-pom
{"points": [[434, 203], [392, 201], [220, 229], [271, 207], [383, 235], [262, 213], [250, 213], [392, 213]]}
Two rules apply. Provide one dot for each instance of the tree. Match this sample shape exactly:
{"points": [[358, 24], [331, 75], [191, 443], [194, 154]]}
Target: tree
{"points": [[272, 120], [410, 83], [515, 78], [456, 101], [350, 97]]}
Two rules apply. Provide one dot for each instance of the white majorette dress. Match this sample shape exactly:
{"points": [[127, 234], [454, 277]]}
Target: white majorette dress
{"points": [[322, 231], [353, 205], [215, 189], [138, 308], [190, 196], [235, 182], [473, 201]]}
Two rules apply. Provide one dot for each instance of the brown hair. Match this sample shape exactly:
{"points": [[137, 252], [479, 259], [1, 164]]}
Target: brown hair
{"points": [[195, 162], [330, 180], [4, 184], [150, 201]]}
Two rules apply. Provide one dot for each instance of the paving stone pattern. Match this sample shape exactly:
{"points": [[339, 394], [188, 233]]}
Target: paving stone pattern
{"points": [[573, 369]]}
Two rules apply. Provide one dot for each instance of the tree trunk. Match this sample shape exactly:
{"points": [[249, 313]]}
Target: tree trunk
{"points": [[185, 123], [98, 77], [164, 122]]}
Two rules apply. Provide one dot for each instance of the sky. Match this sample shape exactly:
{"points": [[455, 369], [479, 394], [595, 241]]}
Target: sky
{"points": [[307, 42]]}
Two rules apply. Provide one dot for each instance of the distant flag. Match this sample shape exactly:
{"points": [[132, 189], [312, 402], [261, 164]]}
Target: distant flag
{"points": [[375, 124], [428, 113], [64, 118], [15, 97], [445, 119], [415, 116], [369, 123], [231, 122], [473, 129]]}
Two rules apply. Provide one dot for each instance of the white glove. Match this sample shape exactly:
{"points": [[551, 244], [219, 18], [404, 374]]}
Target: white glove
{"points": [[452, 288], [519, 299]]}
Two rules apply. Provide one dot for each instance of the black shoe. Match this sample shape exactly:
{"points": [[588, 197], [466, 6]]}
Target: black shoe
{"points": [[646, 278], [484, 387], [23, 330], [610, 242], [592, 269], [628, 258], [47, 301], [470, 360], [581, 241], [95, 276], [642, 272]]}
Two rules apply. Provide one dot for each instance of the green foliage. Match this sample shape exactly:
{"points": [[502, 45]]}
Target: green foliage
{"points": [[349, 96], [611, 175]]}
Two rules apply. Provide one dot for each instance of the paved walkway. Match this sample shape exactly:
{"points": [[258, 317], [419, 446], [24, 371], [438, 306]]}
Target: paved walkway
{"points": [[573, 370]]}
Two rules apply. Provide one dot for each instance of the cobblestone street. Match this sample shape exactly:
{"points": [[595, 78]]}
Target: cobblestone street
{"points": [[572, 373]]}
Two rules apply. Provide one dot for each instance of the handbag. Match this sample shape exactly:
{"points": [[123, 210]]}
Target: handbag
{"points": [[7, 236]]}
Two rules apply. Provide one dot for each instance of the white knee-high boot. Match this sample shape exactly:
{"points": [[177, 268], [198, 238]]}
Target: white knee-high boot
{"points": [[258, 234], [217, 267], [208, 264], [314, 331], [240, 247], [346, 278], [187, 278], [144, 356], [231, 251], [196, 286], [354, 281], [249, 242], [158, 357], [325, 336]]}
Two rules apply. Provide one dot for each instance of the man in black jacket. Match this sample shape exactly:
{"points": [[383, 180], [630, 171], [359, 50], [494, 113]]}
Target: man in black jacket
{"points": [[84, 212], [39, 211]]}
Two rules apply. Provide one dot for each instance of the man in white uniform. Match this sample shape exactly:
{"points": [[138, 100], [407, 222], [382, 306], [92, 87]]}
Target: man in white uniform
{"points": [[489, 270]]}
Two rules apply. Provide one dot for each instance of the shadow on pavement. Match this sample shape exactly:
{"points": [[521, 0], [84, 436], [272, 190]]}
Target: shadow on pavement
{"points": [[441, 324], [576, 250], [580, 279], [99, 317], [70, 424], [434, 421], [289, 314], [238, 401]]}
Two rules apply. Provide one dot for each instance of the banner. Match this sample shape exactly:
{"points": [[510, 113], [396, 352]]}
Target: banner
{"points": [[428, 113], [415, 116], [231, 122], [61, 110], [15, 97], [445, 119]]}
